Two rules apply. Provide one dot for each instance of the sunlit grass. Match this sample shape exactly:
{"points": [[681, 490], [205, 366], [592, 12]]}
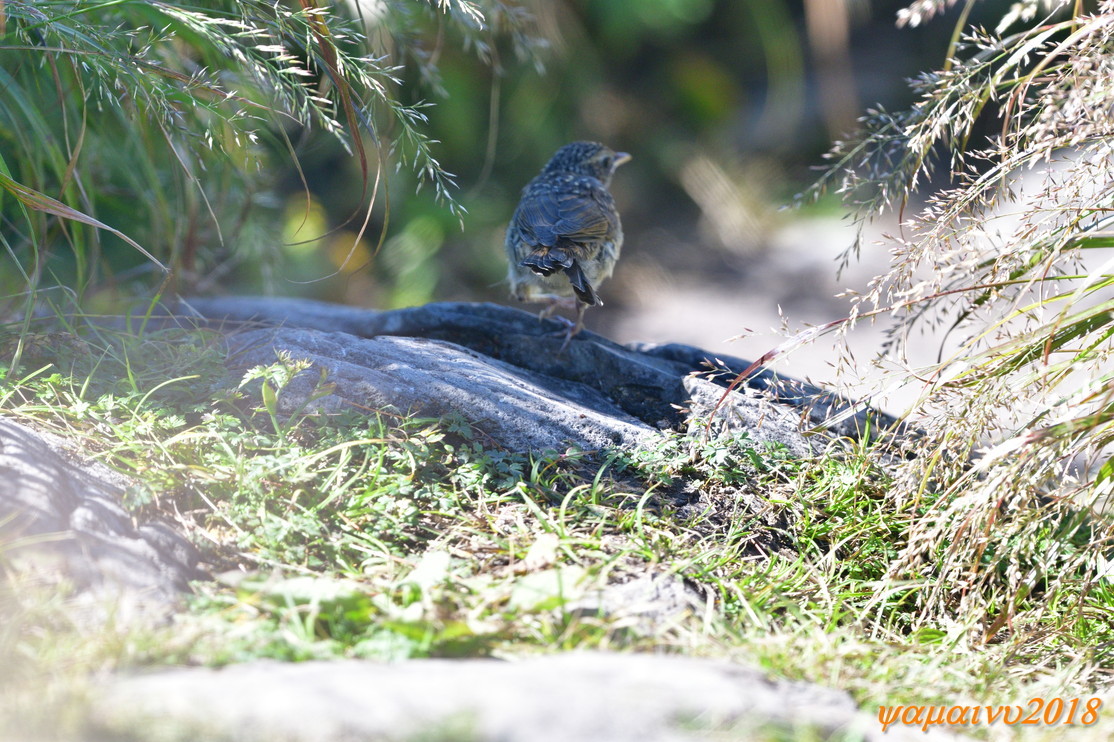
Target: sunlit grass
{"points": [[365, 535]]}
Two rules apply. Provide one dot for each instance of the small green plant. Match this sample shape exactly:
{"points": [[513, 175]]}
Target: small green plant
{"points": [[730, 458], [276, 378]]}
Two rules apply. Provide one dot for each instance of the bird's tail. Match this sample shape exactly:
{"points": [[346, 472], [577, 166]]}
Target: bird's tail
{"points": [[547, 260], [580, 285]]}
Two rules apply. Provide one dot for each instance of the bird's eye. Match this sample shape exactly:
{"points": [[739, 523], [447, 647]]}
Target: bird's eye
{"points": [[606, 161]]}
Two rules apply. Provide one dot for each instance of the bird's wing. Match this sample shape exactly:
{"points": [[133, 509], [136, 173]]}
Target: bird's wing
{"points": [[574, 211]]}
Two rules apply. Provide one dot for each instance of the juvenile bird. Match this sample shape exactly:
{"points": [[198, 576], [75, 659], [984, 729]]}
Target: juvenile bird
{"points": [[565, 235]]}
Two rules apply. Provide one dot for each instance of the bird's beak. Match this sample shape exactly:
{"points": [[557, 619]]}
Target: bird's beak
{"points": [[621, 158]]}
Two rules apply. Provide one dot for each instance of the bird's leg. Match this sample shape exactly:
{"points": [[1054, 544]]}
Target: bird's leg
{"points": [[570, 328], [553, 303], [581, 307]]}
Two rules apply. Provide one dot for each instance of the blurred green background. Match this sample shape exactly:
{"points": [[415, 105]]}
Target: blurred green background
{"points": [[727, 108]]}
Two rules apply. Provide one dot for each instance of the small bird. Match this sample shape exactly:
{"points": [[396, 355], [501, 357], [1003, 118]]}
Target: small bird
{"points": [[565, 235]]}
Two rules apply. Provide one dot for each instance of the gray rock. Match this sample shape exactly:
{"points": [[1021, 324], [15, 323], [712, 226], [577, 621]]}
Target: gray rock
{"points": [[749, 411], [825, 409], [645, 605], [646, 382], [642, 385], [574, 696], [517, 409], [61, 520]]}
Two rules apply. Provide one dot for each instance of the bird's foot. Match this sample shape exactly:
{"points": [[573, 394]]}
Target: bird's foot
{"points": [[565, 322], [574, 327], [569, 329], [569, 333]]}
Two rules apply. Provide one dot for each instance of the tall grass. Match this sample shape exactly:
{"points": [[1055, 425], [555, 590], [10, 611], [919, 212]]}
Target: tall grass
{"points": [[1011, 260], [138, 139]]}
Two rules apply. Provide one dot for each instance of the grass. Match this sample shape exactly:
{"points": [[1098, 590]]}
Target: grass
{"points": [[922, 581], [367, 535], [1006, 270]]}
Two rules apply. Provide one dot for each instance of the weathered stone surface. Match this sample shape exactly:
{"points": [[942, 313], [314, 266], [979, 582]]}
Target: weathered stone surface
{"points": [[61, 519], [646, 382], [644, 386], [645, 605], [518, 409], [750, 411], [576, 696], [823, 408]]}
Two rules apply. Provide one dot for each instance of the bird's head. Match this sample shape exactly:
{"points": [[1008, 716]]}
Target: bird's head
{"points": [[587, 158]]}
